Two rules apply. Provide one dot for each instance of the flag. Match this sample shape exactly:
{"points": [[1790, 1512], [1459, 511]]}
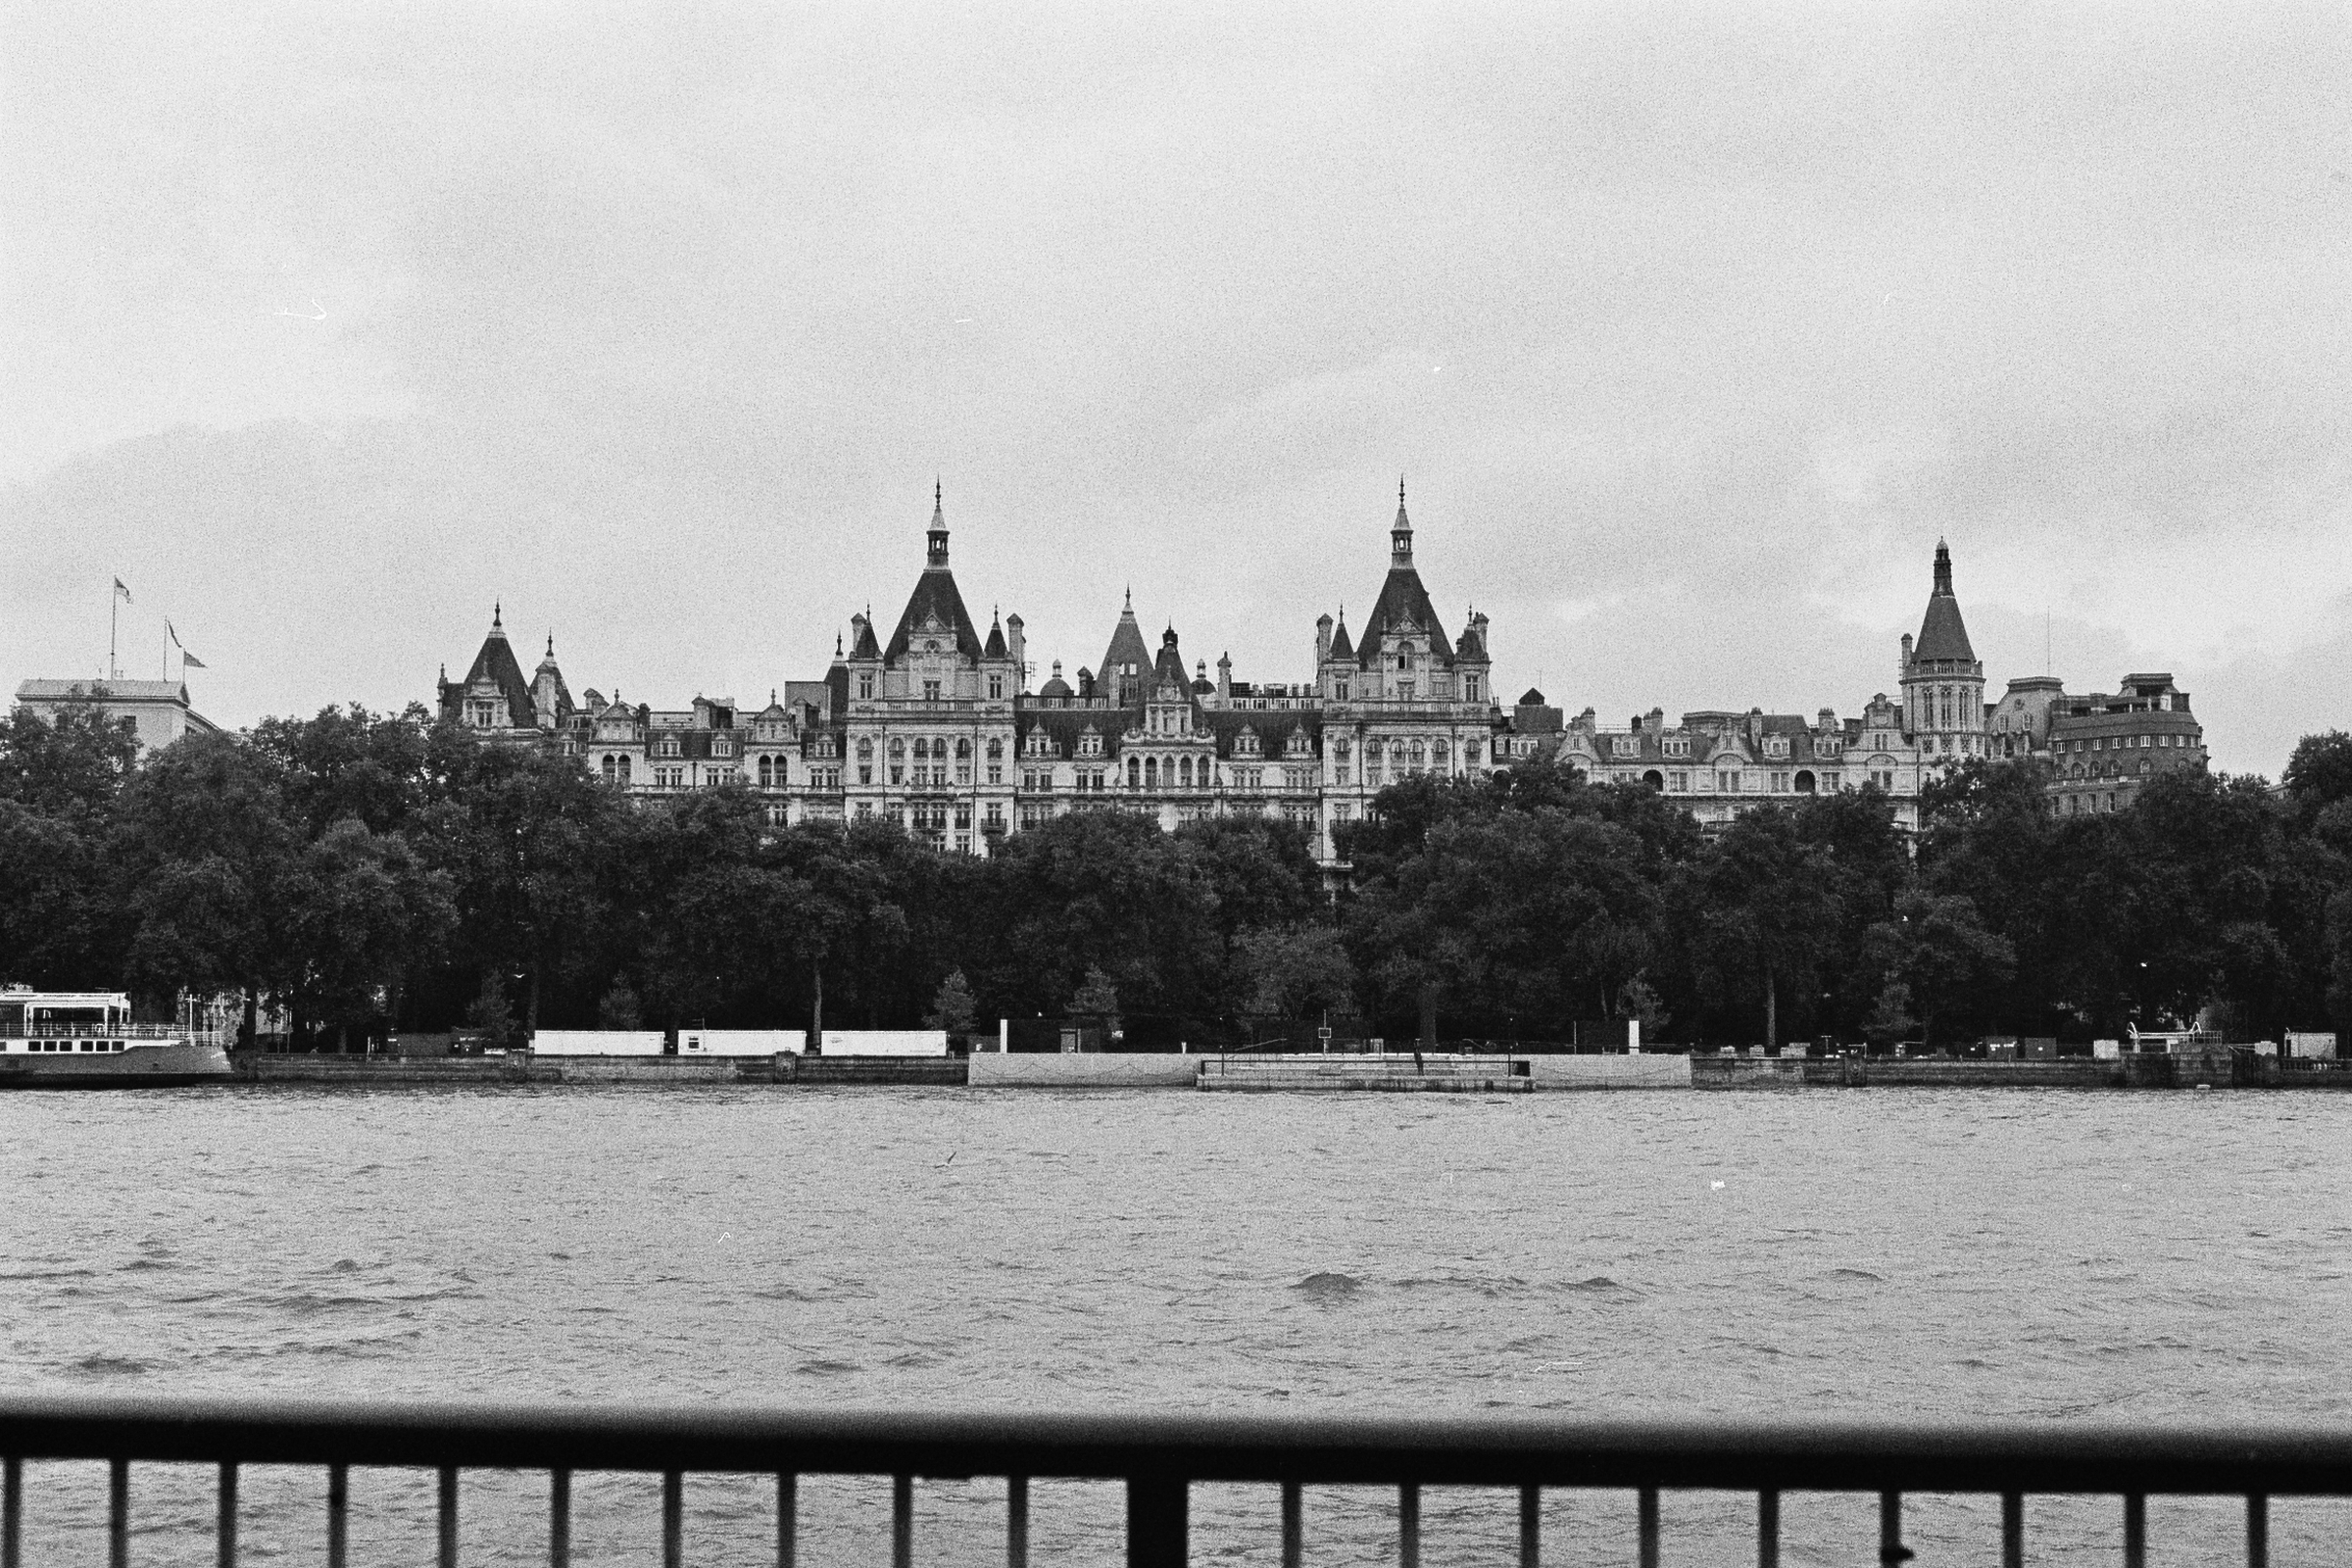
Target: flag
{"points": [[188, 661], [125, 592]]}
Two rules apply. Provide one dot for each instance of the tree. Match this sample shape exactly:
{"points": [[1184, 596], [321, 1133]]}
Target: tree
{"points": [[1761, 910], [81, 759], [618, 1009], [1294, 972], [953, 1006], [491, 1013], [1097, 996], [358, 912], [1937, 956]]}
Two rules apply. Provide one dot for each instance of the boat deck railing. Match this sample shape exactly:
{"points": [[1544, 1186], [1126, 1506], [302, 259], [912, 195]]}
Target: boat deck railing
{"points": [[1158, 1459]]}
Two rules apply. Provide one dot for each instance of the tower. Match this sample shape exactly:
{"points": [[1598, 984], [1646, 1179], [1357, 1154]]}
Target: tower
{"points": [[1944, 683]]}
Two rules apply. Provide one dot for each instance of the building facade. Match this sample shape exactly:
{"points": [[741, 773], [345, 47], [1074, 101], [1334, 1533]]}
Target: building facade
{"points": [[933, 727], [2104, 747], [159, 710]]}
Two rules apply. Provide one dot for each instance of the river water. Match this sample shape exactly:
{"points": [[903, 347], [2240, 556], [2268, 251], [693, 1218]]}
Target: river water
{"points": [[1873, 1253]]}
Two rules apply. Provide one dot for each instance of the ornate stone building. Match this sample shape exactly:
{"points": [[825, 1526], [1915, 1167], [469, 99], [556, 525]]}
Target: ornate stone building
{"points": [[934, 728]]}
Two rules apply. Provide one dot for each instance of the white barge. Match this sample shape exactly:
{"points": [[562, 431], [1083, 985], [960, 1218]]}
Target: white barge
{"points": [[85, 1040]]}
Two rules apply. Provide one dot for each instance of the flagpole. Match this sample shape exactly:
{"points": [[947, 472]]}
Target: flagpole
{"points": [[113, 622]]}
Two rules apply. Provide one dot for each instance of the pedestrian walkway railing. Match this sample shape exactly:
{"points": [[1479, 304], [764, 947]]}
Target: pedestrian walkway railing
{"points": [[1158, 1459]]}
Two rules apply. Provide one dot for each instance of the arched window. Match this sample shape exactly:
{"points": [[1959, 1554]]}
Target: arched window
{"points": [[1151, 772], [897, 746], [1419, 757], [865, 751], [766, 773], [1437, 754], [963, 750], [1183, 772], [1135, 773], [995, 750], [624, 770], [611, 773]]}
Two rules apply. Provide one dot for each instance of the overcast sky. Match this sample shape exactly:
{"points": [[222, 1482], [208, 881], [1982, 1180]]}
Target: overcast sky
{"points": [[1692, 330]]}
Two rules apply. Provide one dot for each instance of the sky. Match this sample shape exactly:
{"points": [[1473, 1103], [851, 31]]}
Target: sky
{"points": [[1690, 329]]}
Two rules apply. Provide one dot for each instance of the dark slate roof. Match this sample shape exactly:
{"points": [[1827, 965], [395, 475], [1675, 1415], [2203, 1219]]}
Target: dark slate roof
{"points": [[1942, 635], [1055, 686], [1531, 698], [996, 640], [1402, 600], [867, 647], [1064, 726], [1472, 649], [1341, 647], [1169, 668], [1273, 727], [496, 661], [1126, 647], [935, 601]]}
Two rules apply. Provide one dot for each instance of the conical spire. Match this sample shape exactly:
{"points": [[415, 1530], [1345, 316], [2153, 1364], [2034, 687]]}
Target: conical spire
{"points": [[1400, 533], [1943, 634], [938, 556], [498, 621], [1943, 568]]}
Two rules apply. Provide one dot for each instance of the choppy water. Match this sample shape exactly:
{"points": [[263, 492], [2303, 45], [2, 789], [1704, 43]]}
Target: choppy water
{"points": [[1867, 1254]]}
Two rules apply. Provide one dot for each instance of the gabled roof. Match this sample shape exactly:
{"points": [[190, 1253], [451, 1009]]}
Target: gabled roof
{"points": [[1402, 602], [1942, 635], [935, 607], [1126, 648], [496, 663]]}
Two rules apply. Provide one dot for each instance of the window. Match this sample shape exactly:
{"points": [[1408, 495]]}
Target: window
{"points": [[996, 688], [865, 692], [930, 691], [1469, 688], [1339, 692], [1404, 691]]}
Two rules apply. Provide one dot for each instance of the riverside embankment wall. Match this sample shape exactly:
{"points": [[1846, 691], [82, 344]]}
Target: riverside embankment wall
{"points": [[1087, 1070]]}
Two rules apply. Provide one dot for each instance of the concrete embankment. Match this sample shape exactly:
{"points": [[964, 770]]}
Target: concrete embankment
{"points": [[1091, 1069], [804, 1071], [1402, 1072]]}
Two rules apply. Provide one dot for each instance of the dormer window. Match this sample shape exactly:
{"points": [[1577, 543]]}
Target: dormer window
{"points": [[1626, 745], [1775, 745]]}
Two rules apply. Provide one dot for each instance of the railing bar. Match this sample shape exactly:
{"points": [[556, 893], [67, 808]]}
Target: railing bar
{"points": [[1159, 1509], [558, 1518], [901, 1521], [12, 1508], [1531, 1525], [1891, 1549], [1647, 1526], [1017, 1522], [2135, 1529], [449, 1516], [2012, 1530], [673, 1519], [1291, 1542], [1768, 1529], [1409, 1525], [226, 1526], [338, 1513], [2258, 1530], [118, 1513]]}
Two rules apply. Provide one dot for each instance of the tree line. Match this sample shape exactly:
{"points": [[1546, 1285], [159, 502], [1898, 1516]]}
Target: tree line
{"points": [[368, 872]]}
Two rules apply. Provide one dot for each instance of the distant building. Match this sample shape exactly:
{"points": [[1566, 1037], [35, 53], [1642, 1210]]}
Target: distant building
{"points": [[2104, 747], [935, 728], [159, 709]]}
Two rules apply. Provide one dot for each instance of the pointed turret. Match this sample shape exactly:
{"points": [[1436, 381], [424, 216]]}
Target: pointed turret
{"points": [[1403, 607], [1127, 662], [996, 647], [1341, 647], [1942, 635], [494, 685], [935, 610]]}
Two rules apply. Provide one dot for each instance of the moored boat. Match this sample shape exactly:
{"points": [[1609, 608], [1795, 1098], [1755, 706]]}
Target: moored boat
{"points": [[86, 1039]]}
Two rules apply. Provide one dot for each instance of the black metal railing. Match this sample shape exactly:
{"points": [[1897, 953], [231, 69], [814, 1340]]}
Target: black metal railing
{"points": [[1158, 1459]]}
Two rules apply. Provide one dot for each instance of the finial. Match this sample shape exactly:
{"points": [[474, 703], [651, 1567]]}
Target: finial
{"points": [[771, 696], [551, 645], [837, 645], [1401, 490], [497, 614]]}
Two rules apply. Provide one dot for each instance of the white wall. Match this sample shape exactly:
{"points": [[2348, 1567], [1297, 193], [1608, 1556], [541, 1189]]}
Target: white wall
{"points": [[597, 1043], [740, 1042], [1610, 1073], [886, 1043]]}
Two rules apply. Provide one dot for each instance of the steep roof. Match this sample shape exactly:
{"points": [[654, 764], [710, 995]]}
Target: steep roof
{"points": [[1942, 635], [935, 606], [1341, 646], [1126, 649], [1402, 601], [496, 662], [996, 640], [1168, 670]]}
